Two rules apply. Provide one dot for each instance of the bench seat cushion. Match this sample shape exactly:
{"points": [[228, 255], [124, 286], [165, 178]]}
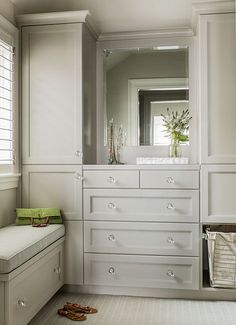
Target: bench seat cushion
{"points": [[19, 243]]}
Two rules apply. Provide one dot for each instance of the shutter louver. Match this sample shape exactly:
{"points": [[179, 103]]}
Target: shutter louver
{"points": [[6, 128]]}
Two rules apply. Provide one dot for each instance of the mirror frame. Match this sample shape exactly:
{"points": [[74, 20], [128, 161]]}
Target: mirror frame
{"points": [[126, 41]]}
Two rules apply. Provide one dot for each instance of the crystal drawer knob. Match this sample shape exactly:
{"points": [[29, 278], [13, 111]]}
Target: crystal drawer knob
{"points": [[111, 270], [170, 180], [111, 180], [57, 270], [78, 153], [170, 240], [170, 273], [79, 176], [170, 206], [112, 237], [111, 206], [21, 303]]}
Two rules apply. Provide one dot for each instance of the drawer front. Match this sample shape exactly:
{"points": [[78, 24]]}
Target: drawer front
{"points": [[111, 179], [169, 179], [142, 271], [34, 287], [141, 205], [141, 238]]}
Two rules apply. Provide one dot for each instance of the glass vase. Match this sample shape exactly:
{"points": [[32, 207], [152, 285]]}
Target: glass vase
{"points": [[174, 149]]}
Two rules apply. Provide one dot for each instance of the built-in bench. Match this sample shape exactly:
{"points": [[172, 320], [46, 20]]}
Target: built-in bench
{"points": [[31, 270]]}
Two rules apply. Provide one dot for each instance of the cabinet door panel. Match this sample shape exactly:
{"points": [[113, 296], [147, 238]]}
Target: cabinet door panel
{"points": [[30, 290], [217, 85], [51, 94], [218, 194], [54, 186]]}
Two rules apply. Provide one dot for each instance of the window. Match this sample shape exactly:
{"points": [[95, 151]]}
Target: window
{"points": [[6, 104]]}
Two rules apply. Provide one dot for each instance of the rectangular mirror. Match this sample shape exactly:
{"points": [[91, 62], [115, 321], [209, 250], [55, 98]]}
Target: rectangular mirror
{"points": [[140, 85]]}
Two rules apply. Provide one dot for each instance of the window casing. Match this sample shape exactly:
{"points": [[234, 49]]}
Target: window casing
{"points": [[9, 119]]}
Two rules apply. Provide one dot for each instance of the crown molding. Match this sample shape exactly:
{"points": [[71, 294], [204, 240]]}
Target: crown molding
{"points": [[215, 7], [65, 17], [149, 34]]}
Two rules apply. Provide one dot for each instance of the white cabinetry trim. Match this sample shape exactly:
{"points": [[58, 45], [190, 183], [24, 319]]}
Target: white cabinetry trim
{"points": [[8, 181]]}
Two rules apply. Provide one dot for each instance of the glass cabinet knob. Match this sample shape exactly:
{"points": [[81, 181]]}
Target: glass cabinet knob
{"points": [[111, 180], [112, 237], [170, 240], [111, 206], [21, 303], [170, 273], [79, 153], [170, 206], [111, 270], [170, 180], [57, 270], [79, 176]]}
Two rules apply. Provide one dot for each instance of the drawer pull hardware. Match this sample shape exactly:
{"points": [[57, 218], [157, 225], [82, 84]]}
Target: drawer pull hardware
{"points": [[78, 153], [57, 270], [111, 270], [79, 176], [170, 273], [170, 180], [112, 237], [111, 180], [170, 206], [21, 303], [170, 240], [111, 206]]}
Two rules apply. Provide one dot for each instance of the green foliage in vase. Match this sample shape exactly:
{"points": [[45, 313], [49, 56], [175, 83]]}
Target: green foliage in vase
{"points": [[177, 125]]}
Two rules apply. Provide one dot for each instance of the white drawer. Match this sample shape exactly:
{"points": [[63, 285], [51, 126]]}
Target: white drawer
{"points": [[111, 179], [142, 271], [141, 238], [30, 290], [169, 179], [141, 205]]}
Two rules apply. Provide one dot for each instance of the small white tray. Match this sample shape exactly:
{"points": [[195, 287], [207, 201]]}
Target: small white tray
{"points": [[163, 160]]}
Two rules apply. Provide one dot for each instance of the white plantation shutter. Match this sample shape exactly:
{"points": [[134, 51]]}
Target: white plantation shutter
{"points": [[6, 112]]}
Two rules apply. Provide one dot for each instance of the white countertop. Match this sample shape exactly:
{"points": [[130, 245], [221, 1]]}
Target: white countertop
{"points": [[146, 167]]}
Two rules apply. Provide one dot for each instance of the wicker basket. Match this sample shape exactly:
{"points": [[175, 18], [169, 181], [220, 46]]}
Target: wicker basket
{"points": [[222, 259]]}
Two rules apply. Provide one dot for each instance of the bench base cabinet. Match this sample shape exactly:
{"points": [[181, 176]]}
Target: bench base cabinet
{"points": [[142, 271], [28, 291]]}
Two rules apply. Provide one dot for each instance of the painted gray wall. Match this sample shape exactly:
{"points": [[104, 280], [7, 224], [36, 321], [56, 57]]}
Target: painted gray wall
{"points": [[7, 10], [138, 66]]}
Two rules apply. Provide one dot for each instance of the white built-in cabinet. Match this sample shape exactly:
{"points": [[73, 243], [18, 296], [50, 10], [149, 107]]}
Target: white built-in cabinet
{"points": [[52, 94], [216, 38], [58, 119], [141, 226], [217, 101], [217, 87]]}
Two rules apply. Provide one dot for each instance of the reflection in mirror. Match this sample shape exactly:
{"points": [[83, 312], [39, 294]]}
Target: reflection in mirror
{"points": [[153, 103], [140, 85]]}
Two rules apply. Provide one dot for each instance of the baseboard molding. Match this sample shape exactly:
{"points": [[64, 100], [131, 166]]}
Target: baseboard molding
{"points": [[204, 294]]}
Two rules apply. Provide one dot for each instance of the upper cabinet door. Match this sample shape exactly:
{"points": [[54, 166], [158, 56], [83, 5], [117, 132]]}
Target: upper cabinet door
{"points": [[218, 88], [52, 94]]}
